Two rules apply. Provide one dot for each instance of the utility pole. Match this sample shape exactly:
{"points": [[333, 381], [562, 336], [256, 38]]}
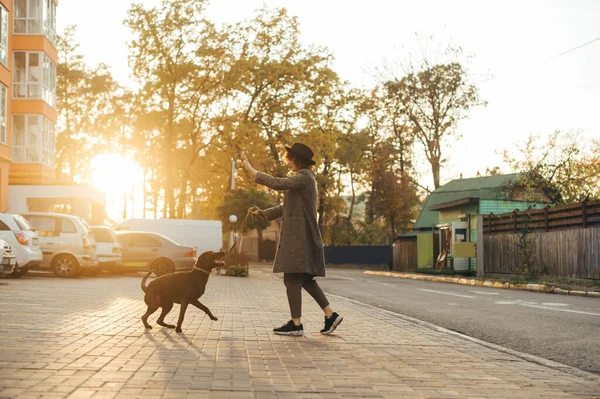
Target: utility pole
{"points": [[233, 174], [144, 195], [231, 235], [125, 204]]}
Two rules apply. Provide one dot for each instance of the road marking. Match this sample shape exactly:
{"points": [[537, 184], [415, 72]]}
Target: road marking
{"points": [[555, 304], [516, 302], [562, 310], [484, 292], [392, 285], [446, 293]]}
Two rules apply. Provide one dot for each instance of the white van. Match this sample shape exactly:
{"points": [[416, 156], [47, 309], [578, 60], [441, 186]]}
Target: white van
{"points": [[67, 243], [204, 235]]}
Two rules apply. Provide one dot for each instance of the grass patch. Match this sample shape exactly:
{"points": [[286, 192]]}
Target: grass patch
{"points": [[556, 282]]}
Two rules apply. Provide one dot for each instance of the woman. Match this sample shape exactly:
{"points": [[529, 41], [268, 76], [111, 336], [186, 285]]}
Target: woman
{"points": [[300, 252]]}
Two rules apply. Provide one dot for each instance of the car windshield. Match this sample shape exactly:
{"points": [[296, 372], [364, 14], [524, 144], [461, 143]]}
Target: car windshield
{"points": [[166, 239], [22, 222], [126, 235], [103, 235]]}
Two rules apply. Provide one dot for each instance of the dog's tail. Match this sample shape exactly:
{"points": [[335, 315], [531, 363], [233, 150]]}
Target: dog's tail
{"points": [[144, 286]]}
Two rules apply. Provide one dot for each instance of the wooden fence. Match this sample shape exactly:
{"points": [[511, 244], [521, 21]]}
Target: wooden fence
{"points": [[571, 253], [405, 256], [579, 215]]}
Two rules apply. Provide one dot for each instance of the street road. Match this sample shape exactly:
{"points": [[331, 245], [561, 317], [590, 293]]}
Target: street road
{"points": [[560, 328]]}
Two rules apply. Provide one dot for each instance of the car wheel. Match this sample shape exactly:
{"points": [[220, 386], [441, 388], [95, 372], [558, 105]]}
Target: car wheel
{"points": [[19, 273], [162, 267], [65, 266]]}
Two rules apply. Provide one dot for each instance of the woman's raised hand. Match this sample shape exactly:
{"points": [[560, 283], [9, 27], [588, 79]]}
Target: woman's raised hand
{"points": [[246, 164], [245, 161]]}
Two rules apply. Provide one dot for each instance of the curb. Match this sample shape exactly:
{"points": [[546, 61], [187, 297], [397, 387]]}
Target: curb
{"points": [[487, 283]]}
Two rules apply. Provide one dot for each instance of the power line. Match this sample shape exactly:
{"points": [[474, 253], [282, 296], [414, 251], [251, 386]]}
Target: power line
{"points": [[542, 63], [573, 49]]}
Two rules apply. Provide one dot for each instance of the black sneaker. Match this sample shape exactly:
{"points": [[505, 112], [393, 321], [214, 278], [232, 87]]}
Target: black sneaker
{"points": [[289, 329], [331, 323]]}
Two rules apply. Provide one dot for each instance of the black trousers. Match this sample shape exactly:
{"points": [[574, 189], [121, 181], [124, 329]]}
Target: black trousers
{"points": [[294, 282]]}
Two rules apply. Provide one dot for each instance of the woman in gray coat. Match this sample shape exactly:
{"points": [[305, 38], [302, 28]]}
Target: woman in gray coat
{"points": [[300, 252]]}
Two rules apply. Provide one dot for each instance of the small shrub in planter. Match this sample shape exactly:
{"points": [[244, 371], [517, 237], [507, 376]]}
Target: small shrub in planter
{"points": [[237, 271]]}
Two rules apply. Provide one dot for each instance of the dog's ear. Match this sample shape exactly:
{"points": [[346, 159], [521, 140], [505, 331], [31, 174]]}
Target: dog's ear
{"points": [[204, 255]]}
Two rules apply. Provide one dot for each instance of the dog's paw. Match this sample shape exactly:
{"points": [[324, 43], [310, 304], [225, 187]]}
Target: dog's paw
{"points": [[166, 325], [178, 330], [214, 318], [148, 327]]}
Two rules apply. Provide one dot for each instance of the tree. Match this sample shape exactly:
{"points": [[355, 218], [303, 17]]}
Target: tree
{"points": [[434, 99], [238, 202], [351, 157], [179, 60], [84, 103], [329, 116], [490, 171], [560, 166], [389, 173]]}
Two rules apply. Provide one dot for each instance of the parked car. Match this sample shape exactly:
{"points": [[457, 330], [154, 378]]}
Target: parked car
{"points": [[152, 251], [108, 249], [67, 243], [204, 235], [15, 230], [8, 260]]}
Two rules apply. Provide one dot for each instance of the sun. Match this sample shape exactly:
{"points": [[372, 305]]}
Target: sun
{"points": [[121, 180]]}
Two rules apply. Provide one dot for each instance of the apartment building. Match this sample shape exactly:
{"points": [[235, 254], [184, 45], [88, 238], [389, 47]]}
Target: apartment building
{"points": [[28, 116], [28, 60]]}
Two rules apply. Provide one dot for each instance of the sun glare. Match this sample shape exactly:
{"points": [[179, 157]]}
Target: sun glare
{"points": [[117, 177]]}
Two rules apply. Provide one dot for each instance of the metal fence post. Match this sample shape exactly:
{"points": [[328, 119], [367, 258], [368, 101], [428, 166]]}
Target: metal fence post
{"points": [[480, 248]]}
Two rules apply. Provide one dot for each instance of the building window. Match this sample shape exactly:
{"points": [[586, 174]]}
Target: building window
{"points": [[35, 17], [34, 77], [3, 36], [33, 140], [49, 19], [3, 102]]}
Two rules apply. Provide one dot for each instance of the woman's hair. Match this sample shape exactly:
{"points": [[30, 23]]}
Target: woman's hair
{"points": [[302, 164]]}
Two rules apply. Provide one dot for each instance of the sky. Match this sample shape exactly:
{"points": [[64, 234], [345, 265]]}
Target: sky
{"points": [[512, 44]]}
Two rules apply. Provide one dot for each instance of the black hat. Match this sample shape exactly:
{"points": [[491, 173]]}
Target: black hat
{"points": [[302, 152]]}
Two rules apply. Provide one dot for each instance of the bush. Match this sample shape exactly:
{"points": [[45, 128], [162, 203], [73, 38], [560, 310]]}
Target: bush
{"points": [[237, 271]]}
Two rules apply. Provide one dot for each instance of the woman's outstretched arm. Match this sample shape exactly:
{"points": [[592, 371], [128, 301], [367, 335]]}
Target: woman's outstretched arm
{"points": [[276, 183], [299, 180]]}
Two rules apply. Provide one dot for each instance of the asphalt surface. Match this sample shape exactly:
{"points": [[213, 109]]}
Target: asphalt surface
{"points": [[556, 327]]}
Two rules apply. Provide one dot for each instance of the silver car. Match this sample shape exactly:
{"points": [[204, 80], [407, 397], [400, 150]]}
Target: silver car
{"points": [[67, 243], [15, 230], [8, 260], [152, 251]]}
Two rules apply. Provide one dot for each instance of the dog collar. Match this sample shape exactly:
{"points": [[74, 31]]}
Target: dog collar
{"points": [[202, 270]]}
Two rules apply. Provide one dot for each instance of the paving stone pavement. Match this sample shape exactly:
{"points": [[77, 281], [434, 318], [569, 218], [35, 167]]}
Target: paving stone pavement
{"points": [[83, 338]]}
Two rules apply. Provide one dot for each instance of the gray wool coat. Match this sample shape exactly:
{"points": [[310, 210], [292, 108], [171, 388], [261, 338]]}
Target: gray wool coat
{"points": [[300, 248]]}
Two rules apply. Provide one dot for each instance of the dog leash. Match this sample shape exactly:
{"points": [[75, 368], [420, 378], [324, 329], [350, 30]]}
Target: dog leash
{"points": [[233, 247]]}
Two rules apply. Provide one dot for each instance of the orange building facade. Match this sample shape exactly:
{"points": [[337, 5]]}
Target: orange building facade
{"points": [[28, 61]]}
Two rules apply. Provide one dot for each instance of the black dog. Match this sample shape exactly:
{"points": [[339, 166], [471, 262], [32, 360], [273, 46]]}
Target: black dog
{"points": [[182, 287]]}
